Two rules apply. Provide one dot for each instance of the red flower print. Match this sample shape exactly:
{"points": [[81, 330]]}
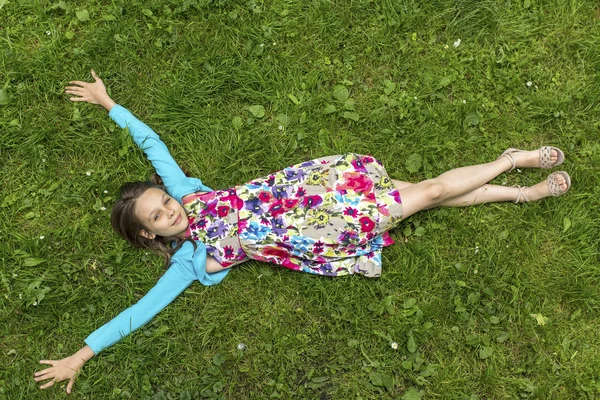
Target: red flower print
{"points": [[300, 192], [396, 195], [222, 211], [367, 159], [276, 252], [353, 212], [290, 203], [228, 252], [265, 197], [366, 224], [318, 247], [312, 201], [277, 208]]}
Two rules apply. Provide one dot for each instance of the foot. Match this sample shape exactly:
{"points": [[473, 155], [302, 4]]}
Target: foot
{"points": [[545, 157], [557, 184]]}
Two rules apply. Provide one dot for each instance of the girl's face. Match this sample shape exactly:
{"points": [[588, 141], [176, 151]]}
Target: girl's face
{"points": [[161, 214]]}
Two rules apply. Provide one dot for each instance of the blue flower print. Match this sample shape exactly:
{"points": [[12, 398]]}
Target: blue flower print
{"points": [[301, 245], [255, 231], [347, 199]]}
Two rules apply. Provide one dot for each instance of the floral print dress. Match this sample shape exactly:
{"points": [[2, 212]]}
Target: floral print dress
{"points": [[328, 216]]}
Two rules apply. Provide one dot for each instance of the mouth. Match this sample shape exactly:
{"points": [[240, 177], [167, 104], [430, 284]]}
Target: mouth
{"points": [[177, 220]]}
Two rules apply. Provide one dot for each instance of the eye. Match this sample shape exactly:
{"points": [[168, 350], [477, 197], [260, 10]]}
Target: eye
{"points": [[156, 216], [167, 200]]}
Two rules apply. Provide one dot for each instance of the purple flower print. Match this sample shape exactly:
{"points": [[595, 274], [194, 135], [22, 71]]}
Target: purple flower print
{"points": [[218, 229], [278, 226], [254, 205], [280, 192], [294, 174]]}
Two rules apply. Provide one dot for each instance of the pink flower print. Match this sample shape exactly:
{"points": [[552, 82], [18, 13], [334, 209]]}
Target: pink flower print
{"points": [[300, 192], [356, 181], [352, 212], [396, 195]]}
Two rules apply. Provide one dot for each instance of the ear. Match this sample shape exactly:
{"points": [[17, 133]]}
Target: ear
{"points": [[147, 235]]}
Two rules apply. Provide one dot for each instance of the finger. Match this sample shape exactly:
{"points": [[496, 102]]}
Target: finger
{"points": [[49, 362], [80, 83], [43, 372], [95, 76], [78, 88], [77, 99], [47, 385], [75, 92], [42, 377], [70, 385]]}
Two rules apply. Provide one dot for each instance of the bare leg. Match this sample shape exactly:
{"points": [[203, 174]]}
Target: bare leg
{"points": [[461, 181], [489, 194]]}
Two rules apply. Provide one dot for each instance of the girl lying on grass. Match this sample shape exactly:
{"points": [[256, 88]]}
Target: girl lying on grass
{"points": [[328, 216]]}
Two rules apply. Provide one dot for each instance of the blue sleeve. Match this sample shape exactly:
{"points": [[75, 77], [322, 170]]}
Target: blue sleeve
{"points": [[177, 184], [187, 266]]}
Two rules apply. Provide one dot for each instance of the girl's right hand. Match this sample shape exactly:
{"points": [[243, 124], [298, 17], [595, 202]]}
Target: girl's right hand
{"points": [[91, 92], [60, 370]]}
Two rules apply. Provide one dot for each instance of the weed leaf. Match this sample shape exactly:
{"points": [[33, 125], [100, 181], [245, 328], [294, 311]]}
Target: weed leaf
{"points": [[83, 15], [258, 111], [341, 93]]}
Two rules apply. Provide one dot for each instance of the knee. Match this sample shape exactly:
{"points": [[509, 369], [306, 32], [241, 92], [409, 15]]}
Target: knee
{"points": [[436, 190]]}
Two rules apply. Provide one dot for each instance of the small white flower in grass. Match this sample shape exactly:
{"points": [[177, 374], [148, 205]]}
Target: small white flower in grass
{"points": [[529, 83], [43, 160], [35, 303], [88, 173], [262, 45], [446, 47], [476, 249], [274, 43], [464, 101], [42, 237], [102, 208], [457, 43], [241, 346], [475, 271], [280, 127], [20, 295], [518, 170], [106, 191], [394, 345], [48, 33], [415, 97], [15, 275]]}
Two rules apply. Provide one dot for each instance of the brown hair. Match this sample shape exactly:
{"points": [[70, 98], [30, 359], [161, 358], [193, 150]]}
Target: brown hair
{"points": [[125, 222]]}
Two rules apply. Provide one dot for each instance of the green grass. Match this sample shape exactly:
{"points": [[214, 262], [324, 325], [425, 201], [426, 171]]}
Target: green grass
{"points": [[191, 69]]}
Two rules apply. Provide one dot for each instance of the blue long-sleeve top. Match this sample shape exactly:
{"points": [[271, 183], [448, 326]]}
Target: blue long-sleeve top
{"points": [[187, 264]]}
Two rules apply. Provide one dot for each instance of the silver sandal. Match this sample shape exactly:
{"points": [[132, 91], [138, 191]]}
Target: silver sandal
{"points": [[545, 153], [553, 187]]}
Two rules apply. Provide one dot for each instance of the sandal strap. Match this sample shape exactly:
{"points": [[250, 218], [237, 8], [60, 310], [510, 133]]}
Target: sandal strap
{"points": [[546, 152], [521, 198], [509, 156]]}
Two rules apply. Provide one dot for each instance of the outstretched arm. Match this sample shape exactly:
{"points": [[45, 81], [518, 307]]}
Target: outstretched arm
{"points": [[177, 184], [90, 92]]}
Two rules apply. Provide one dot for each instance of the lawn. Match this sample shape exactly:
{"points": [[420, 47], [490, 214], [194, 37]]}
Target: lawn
{"points": [[489, 302]]}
